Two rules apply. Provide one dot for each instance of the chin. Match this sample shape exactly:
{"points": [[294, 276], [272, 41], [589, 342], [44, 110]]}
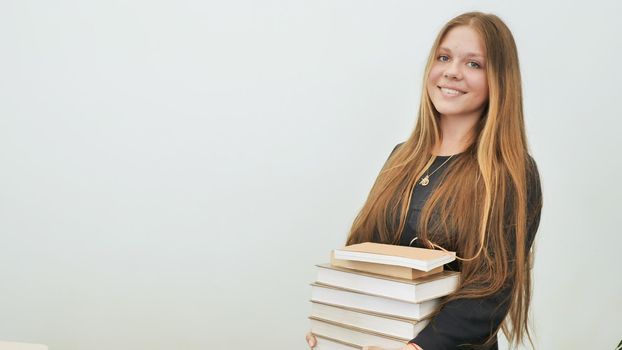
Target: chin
{"points": [[450, 111]]}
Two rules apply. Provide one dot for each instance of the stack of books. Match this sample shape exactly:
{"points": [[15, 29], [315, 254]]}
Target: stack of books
{"points": [[377, 294]]}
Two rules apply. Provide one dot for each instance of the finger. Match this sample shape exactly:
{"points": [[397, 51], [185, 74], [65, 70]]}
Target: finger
{"points": [[311, 340]]}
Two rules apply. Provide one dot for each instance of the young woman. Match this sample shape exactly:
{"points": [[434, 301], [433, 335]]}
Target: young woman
{"points": [[464, 181]]}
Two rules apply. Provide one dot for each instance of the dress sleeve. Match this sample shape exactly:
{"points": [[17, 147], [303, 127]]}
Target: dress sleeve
{"points": [[472, 321]]}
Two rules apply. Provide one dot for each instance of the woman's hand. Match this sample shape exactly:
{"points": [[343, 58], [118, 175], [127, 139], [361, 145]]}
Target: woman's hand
{"points": [[311, 340]]}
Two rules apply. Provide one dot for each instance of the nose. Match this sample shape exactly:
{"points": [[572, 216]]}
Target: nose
{"points": [[452, 71], [451, 75]]}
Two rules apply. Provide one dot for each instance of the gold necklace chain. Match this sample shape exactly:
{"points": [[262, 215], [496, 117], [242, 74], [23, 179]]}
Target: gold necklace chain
{"points": [[426, 180]]}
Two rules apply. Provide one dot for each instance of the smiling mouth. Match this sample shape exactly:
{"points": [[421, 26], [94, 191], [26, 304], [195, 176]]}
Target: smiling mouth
{"points": [[451, 92]]}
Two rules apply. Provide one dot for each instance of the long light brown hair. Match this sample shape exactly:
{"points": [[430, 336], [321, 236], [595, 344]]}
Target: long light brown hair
{"points": [[479, 209]]}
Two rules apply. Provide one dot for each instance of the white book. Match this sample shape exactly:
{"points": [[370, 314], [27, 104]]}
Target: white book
{"points": [[394, 326], [414, 291], [5, 345], [389, 254], [324, 343], [354, 336], [378, 304]]}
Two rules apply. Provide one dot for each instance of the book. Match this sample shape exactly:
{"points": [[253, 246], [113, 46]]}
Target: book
{"points": [[324, 343], [5, 345], [382, 269], [388, 254], [414, 291], [352, 335], [381, 305], [394, 326]]}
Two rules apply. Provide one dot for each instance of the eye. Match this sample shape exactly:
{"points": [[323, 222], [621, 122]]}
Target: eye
{"points": [[474, 64], [443, 58]]}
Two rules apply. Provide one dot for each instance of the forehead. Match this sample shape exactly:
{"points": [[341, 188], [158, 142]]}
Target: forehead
{"points": [[464, 41]]}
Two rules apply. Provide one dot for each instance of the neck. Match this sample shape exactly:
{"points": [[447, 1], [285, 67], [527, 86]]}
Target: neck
{"points": [[457, 133]]}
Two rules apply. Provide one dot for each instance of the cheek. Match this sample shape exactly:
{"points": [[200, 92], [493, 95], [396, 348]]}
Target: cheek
{"points": [[434, 75], [479, 84]]}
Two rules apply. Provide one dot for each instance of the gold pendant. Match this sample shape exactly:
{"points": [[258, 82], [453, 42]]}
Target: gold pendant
{"points": [[425, 181]]}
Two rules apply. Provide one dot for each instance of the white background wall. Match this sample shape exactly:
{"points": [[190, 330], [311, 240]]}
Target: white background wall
{"points": [[170, 171]]}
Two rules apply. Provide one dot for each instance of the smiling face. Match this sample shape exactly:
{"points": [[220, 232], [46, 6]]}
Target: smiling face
{"points": [[457, 82]]}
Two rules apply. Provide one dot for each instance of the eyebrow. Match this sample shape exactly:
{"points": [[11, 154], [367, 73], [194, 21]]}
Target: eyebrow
{"points": [[468, 54]]}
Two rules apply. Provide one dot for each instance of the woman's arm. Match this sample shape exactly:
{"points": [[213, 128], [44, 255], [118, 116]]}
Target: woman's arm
{"points": [[472, 321], [464, 321]]}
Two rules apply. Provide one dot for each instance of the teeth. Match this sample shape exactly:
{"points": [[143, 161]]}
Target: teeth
{"points": [[451, 91]]}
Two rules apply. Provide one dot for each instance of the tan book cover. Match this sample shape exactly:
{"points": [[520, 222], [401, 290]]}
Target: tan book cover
{"points": [[389, 254], [382, 269]]}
